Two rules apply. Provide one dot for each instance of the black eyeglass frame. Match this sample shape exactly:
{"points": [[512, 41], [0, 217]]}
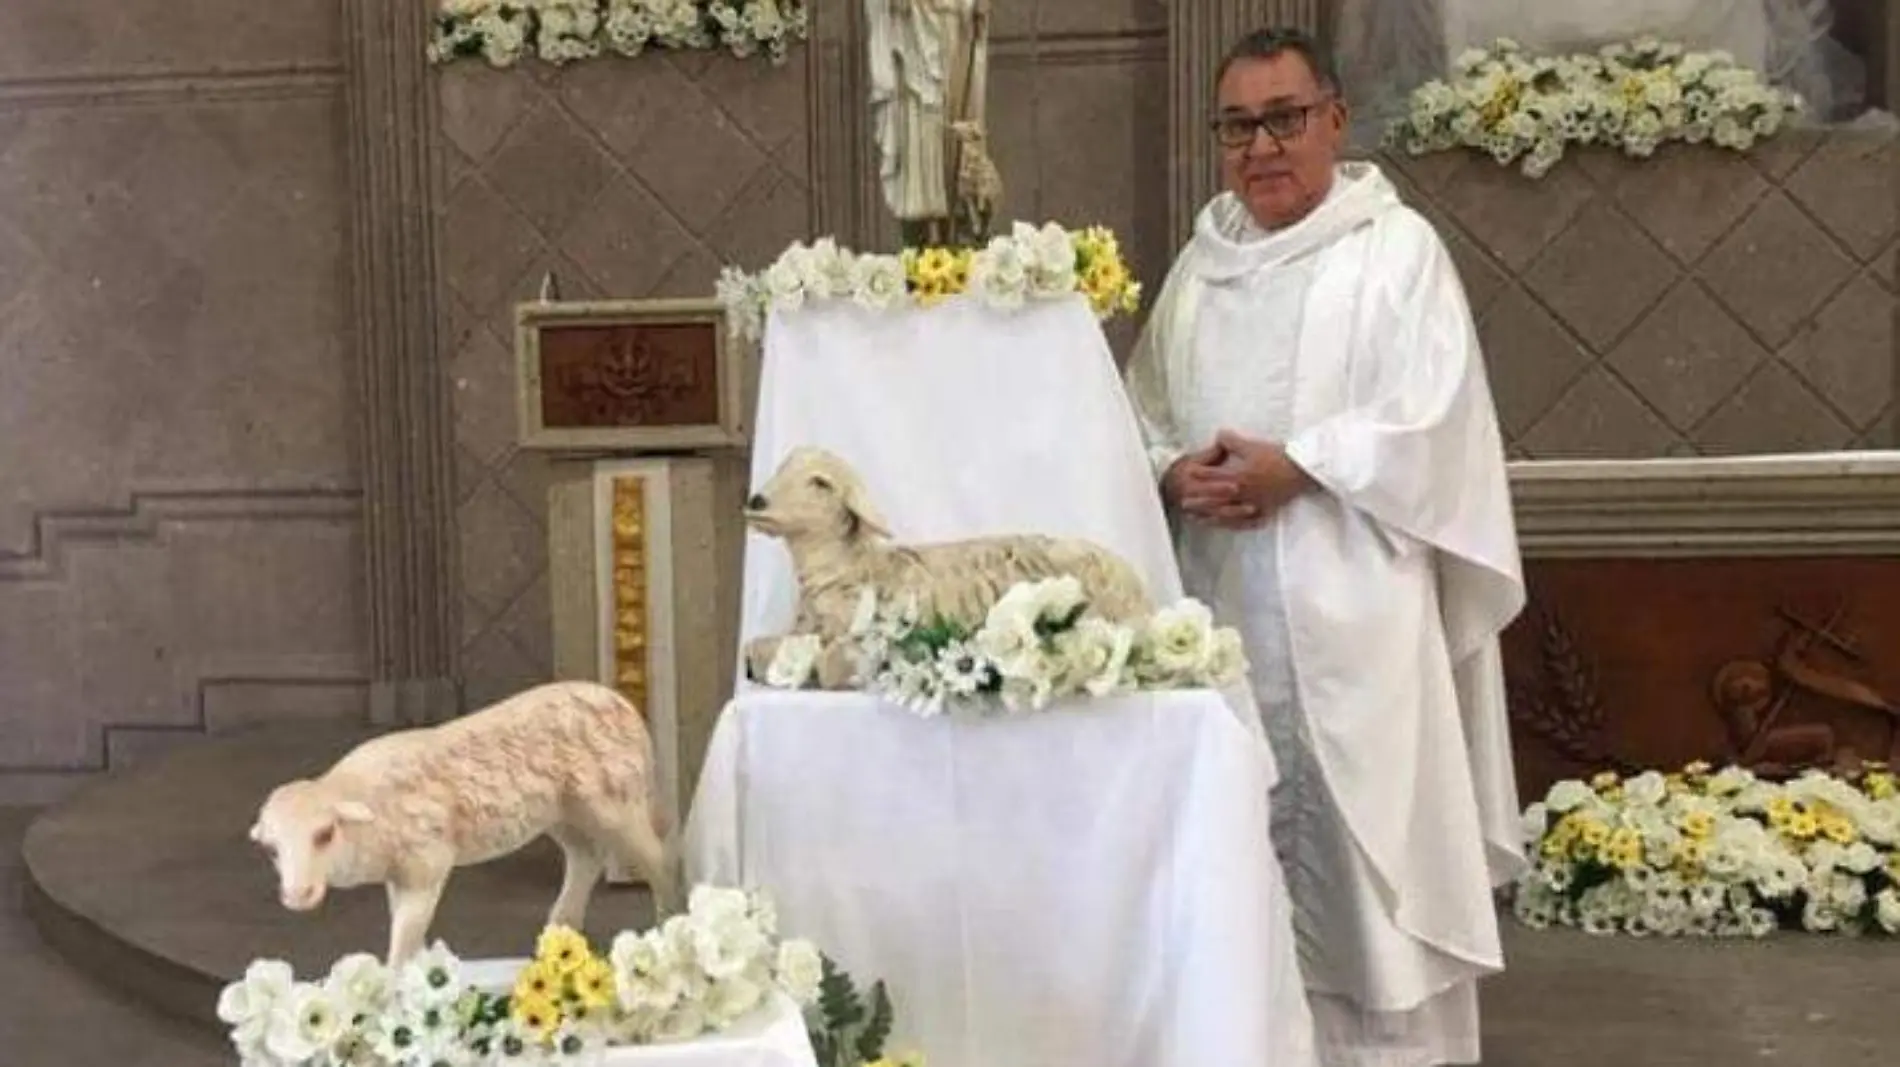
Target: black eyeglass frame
{"points": [[1292, 119]]}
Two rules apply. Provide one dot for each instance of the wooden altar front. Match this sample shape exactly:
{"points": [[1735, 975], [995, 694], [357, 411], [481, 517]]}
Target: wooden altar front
{"points": [[1730, 610]]}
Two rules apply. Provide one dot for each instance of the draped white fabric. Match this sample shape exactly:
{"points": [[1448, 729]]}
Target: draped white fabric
{"points": [[773, 1036], [964, 421], [1092, 886]]}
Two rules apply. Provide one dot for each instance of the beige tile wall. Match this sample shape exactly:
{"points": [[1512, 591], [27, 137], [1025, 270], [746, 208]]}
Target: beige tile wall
{"points": [[179, 500], [1701, 303]]}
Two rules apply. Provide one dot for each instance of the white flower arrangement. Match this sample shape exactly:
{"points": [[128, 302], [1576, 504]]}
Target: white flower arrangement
{"points": [[1633, 97], [1722, 854], [562, 31], [1037, 645], [1030, 263], [696, 973]]}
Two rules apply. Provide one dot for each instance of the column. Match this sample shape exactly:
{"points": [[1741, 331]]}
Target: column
{"points": [[1199, 34], [408, 522]]}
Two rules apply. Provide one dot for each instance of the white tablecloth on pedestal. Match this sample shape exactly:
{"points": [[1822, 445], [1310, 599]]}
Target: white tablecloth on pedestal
{"points": [[964, 421], [773, 1036], [1085, 888]]}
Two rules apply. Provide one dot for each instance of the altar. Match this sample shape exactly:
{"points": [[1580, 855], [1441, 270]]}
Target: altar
{"points": [[1091, 886]]}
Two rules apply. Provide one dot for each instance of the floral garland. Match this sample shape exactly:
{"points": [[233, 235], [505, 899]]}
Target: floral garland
{"points": [[1634, 97], [1720, 854], [1037, 645], [697, 973], [1029, 263], [562, 31]]}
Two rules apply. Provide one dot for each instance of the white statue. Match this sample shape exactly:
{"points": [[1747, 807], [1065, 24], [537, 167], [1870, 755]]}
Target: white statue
{"points": [[818, 505], [569, 760], [929, 70]]}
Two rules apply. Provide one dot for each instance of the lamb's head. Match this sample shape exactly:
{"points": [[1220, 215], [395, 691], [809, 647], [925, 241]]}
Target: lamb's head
{"points": [[304, 828], [968, 133], [814, 496]]}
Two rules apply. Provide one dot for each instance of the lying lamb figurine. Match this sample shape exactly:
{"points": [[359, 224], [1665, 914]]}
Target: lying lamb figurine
{"points": [[839, 545], [572, 760]]}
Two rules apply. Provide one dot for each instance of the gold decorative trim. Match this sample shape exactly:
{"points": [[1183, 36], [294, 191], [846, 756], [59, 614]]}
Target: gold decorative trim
{"points": [[629, 556]]}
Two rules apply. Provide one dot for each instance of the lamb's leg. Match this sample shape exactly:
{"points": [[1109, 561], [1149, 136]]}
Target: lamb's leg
{"points": [[412, 906], [630, 836], [581, 872]]}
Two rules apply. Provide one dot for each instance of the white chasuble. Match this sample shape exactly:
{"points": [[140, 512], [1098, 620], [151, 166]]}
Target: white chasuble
{"points": [[1371, 609]]}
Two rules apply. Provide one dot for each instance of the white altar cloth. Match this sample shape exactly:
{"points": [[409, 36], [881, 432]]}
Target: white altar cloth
{"points": [[1090, 887], [773, 1036], [964, 421]]}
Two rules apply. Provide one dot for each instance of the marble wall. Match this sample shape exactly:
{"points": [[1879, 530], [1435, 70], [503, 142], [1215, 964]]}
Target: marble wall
{"points": [[180, 534]]}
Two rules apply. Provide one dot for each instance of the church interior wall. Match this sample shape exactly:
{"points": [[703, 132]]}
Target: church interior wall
{"points": [[183, 547], [180, 508]]}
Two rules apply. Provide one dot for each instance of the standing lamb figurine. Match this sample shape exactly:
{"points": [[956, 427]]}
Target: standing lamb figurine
{"points": [[571, 760], [817, 504]]}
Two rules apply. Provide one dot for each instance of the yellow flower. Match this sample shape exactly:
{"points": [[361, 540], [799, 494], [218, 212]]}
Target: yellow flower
{"points": [[539, 980], [1698, 824], [1624, 849], [1675, 784], [540, 1016], [593, 983], [1592, 832], [1803, 825], [1893, 867], [1837, 828], [1880, 785], [563, 949], [1692, 853], [1612, 794]]}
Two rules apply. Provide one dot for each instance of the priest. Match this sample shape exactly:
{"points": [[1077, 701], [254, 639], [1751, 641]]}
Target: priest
{"points": [[1316, 408]]}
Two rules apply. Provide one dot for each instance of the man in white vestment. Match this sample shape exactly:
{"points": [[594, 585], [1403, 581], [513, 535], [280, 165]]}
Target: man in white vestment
{"points": [[1320, 423]]}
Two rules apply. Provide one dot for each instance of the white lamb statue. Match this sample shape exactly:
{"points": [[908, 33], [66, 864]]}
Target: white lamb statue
{"points": [[571, 760], [817, 504]]}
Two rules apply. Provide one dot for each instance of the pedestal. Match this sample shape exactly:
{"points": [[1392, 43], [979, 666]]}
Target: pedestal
{"points": [[645, 406], [644, 584]]}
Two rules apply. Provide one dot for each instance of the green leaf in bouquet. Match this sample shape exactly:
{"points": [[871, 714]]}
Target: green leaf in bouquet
{"points": [[877, 1029]]}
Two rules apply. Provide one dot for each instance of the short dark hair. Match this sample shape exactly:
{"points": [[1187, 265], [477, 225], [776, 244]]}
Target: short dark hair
{"points": [[1279, 40]]}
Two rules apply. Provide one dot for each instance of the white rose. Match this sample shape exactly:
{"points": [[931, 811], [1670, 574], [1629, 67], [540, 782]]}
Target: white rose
{"points": [[998, 275], [731, 998], [785, 284], [1227, 659], [1647, 789], [1096, 654], [1887, 910], [717, 904], [800, 969], [1569, 795], [878, 282], [794, 662], [1181, 637]]}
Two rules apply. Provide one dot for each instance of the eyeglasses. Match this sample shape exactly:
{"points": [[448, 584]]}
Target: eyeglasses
{"points": [[1280, 123]]}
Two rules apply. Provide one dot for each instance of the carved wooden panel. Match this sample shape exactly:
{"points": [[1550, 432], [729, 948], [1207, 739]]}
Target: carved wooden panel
{"points": [[628, 375], [1777, 663], [662, 374]]}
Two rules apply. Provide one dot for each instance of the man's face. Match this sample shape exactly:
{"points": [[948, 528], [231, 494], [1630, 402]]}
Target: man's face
{"points": [[1279, 133]]}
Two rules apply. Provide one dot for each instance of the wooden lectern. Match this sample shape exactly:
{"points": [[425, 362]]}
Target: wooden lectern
{"points": [[645, 406]]}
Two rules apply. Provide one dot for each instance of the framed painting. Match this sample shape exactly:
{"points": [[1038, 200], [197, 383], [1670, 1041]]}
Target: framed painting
{"points": [[628, 376]]}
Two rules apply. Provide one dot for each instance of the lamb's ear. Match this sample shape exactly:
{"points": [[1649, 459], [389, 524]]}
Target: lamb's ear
{"points": [[864, 517], [354, 811]]}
